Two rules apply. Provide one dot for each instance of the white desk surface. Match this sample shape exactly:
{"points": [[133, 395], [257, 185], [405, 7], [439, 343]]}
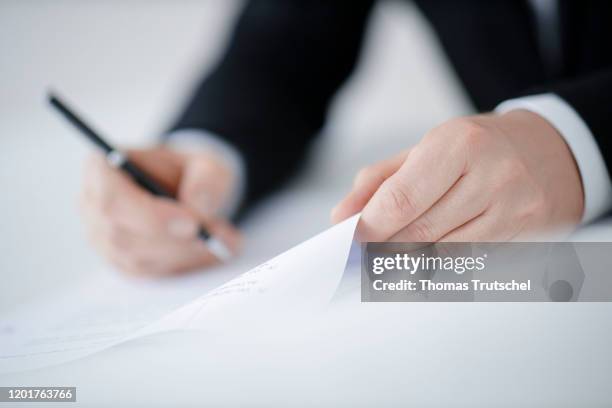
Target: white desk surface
{"points": [[434, 354]]}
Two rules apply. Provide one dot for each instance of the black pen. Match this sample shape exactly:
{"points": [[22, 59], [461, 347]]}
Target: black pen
{"points": [[120, 161]]}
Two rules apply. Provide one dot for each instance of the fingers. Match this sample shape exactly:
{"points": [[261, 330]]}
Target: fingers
{"points": [[494, 224], [205, 184], [366, 183], [421, 180], [141, 256], [463, 202], [141, 233], [470, 211], [112, 198], [470, 179], [489, 227]]}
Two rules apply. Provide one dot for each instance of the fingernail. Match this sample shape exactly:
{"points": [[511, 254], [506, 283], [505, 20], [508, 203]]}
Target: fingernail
{"points": [[182, 227]]}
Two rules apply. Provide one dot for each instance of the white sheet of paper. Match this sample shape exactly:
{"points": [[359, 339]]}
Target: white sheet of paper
{"points": [[302, 278]]}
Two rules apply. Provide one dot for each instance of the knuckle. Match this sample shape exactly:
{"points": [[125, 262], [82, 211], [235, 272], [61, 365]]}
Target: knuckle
{"points": [[462, 136], [363, 175], [472, 133], [422, 231], [538, 203], [397, 203], [367, 174], [542, 203], [469, 125], [512, 170]]}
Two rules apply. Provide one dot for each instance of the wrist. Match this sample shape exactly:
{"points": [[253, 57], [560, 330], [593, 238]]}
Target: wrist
{"points": [[550, 160], [594, 175]]}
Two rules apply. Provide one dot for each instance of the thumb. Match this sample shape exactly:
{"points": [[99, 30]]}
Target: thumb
{"points": [[365, 185], [205, 184]]}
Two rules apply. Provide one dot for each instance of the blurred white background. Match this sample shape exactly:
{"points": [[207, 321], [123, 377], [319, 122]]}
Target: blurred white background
{"points": [[129, 66]]}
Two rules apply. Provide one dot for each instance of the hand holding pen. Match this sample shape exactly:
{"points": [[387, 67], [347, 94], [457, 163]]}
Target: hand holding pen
{"points": [[153, 211]]}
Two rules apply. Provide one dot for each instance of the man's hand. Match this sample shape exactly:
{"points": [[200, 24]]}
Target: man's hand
{"points": [[143, 234], [479, 178]]}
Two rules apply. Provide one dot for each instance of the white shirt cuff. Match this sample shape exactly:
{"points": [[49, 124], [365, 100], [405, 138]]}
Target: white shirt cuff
{"points": [[193, 140], [596, 181]]}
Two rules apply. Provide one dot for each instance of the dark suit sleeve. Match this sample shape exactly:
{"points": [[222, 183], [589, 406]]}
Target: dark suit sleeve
{"points": [[269, 93]]}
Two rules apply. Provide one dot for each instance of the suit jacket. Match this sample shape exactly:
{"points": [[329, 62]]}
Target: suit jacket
{"points": [[269, 94]]}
